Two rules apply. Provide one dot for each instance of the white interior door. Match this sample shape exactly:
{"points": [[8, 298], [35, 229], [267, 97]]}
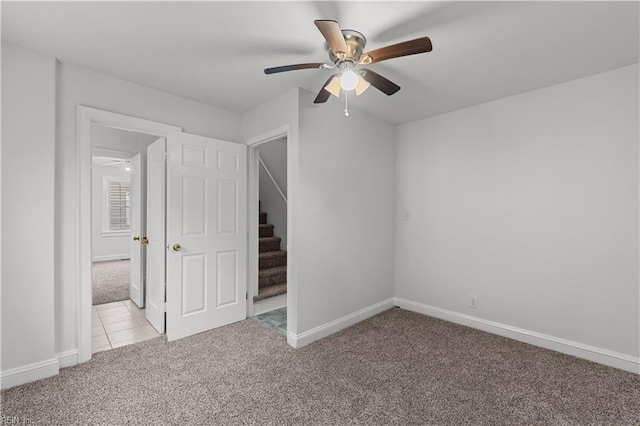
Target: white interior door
{"points": [[206, 234], [136, 288], [155, 236]]}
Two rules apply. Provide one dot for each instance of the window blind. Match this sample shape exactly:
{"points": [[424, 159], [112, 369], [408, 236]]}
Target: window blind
{"points": [[119, 206]]}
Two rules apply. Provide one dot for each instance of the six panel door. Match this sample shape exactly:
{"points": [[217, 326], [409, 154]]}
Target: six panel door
{"points": [[206, 234]]}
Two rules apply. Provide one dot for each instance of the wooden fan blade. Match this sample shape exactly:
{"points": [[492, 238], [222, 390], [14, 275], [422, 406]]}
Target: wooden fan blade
{"points": [[331, 32], [411, 47], [292, 67], [324, 94], [379, 82]]}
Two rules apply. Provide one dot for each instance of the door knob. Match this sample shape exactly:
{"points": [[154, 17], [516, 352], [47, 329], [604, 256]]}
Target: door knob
{"points": [[145, 240], [176, 247], [136, 238]]}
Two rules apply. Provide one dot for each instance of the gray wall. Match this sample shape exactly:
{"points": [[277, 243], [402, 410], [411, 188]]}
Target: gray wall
{"points": [[28, 141], [120, 140], [346, 196], [530, 203]]}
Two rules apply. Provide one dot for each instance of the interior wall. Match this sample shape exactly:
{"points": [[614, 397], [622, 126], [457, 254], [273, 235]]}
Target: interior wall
{"points": [[28, 130], [276, 114], [345, 228], [105, 246], [77, 86], [274, 156], [531, 204], [108, 138]]}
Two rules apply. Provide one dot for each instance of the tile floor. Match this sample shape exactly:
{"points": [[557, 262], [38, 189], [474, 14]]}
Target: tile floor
{"points": [[118, 324], [276, 320]]}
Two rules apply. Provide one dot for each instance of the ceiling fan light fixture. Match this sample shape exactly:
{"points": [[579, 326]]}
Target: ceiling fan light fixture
{"points": [[362, 85], [334, 87], [349, 80], [346, 54]]}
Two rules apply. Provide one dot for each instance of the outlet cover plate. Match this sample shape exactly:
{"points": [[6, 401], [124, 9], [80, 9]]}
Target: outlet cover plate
{"points": [[473, 303]]}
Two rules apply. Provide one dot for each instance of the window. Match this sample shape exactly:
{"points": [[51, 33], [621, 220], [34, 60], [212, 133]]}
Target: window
{"points": [[117, 206]]}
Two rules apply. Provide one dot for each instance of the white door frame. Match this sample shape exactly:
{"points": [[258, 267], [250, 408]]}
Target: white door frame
{"points": [[252, 217], [86, 118]]}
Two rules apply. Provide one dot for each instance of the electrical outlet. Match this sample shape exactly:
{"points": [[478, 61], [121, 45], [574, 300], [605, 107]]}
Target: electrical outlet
{"points": [[474, 302]]}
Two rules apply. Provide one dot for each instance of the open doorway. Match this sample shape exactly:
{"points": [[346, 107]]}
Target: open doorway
{"points": [[117, 208], [270, 278], [111, 222]]}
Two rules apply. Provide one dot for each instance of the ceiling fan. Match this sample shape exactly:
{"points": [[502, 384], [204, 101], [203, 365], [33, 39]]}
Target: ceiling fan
{"points": [[346, 51], [116, 162]]}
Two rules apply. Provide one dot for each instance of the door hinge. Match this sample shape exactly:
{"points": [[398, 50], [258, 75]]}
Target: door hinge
{"points": [[246, 296], [165, 306]]}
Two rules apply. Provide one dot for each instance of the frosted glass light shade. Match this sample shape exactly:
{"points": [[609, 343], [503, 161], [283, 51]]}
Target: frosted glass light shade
{"points": [[349, 79]]}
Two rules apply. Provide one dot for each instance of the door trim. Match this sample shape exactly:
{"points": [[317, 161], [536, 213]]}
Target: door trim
{"points": [[86, 117]]}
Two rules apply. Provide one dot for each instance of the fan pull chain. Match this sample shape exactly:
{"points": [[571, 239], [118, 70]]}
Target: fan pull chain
{"points": [[346, 103]]}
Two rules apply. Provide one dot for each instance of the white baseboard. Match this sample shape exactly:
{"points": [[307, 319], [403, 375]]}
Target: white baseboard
{"points": [[580, 350], [269, 304], [317, 333], [125, 256], [29, 373], [68, 358]]}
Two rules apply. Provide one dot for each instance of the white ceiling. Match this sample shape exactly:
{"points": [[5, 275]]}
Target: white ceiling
{"points": [[215, 52]]}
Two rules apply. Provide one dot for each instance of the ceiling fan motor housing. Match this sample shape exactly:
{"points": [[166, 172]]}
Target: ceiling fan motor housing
{"points": [[355, 46]]}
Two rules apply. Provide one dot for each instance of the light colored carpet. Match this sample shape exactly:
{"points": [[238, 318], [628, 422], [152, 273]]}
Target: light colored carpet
{"points": [[395, 368], [110, 281]]}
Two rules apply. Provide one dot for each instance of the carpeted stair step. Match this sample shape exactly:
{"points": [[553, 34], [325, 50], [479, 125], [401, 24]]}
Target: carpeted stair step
{"points": [[271, 259], [266, 230], [269, 244], [271, 291], [272, 262], [272, 276]]}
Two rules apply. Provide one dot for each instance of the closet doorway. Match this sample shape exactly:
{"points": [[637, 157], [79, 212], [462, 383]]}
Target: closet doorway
{"points": [[270, 295], [270, 229]]}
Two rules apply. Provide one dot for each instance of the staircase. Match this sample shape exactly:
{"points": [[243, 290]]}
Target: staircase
{"points": [[272, 263]]}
